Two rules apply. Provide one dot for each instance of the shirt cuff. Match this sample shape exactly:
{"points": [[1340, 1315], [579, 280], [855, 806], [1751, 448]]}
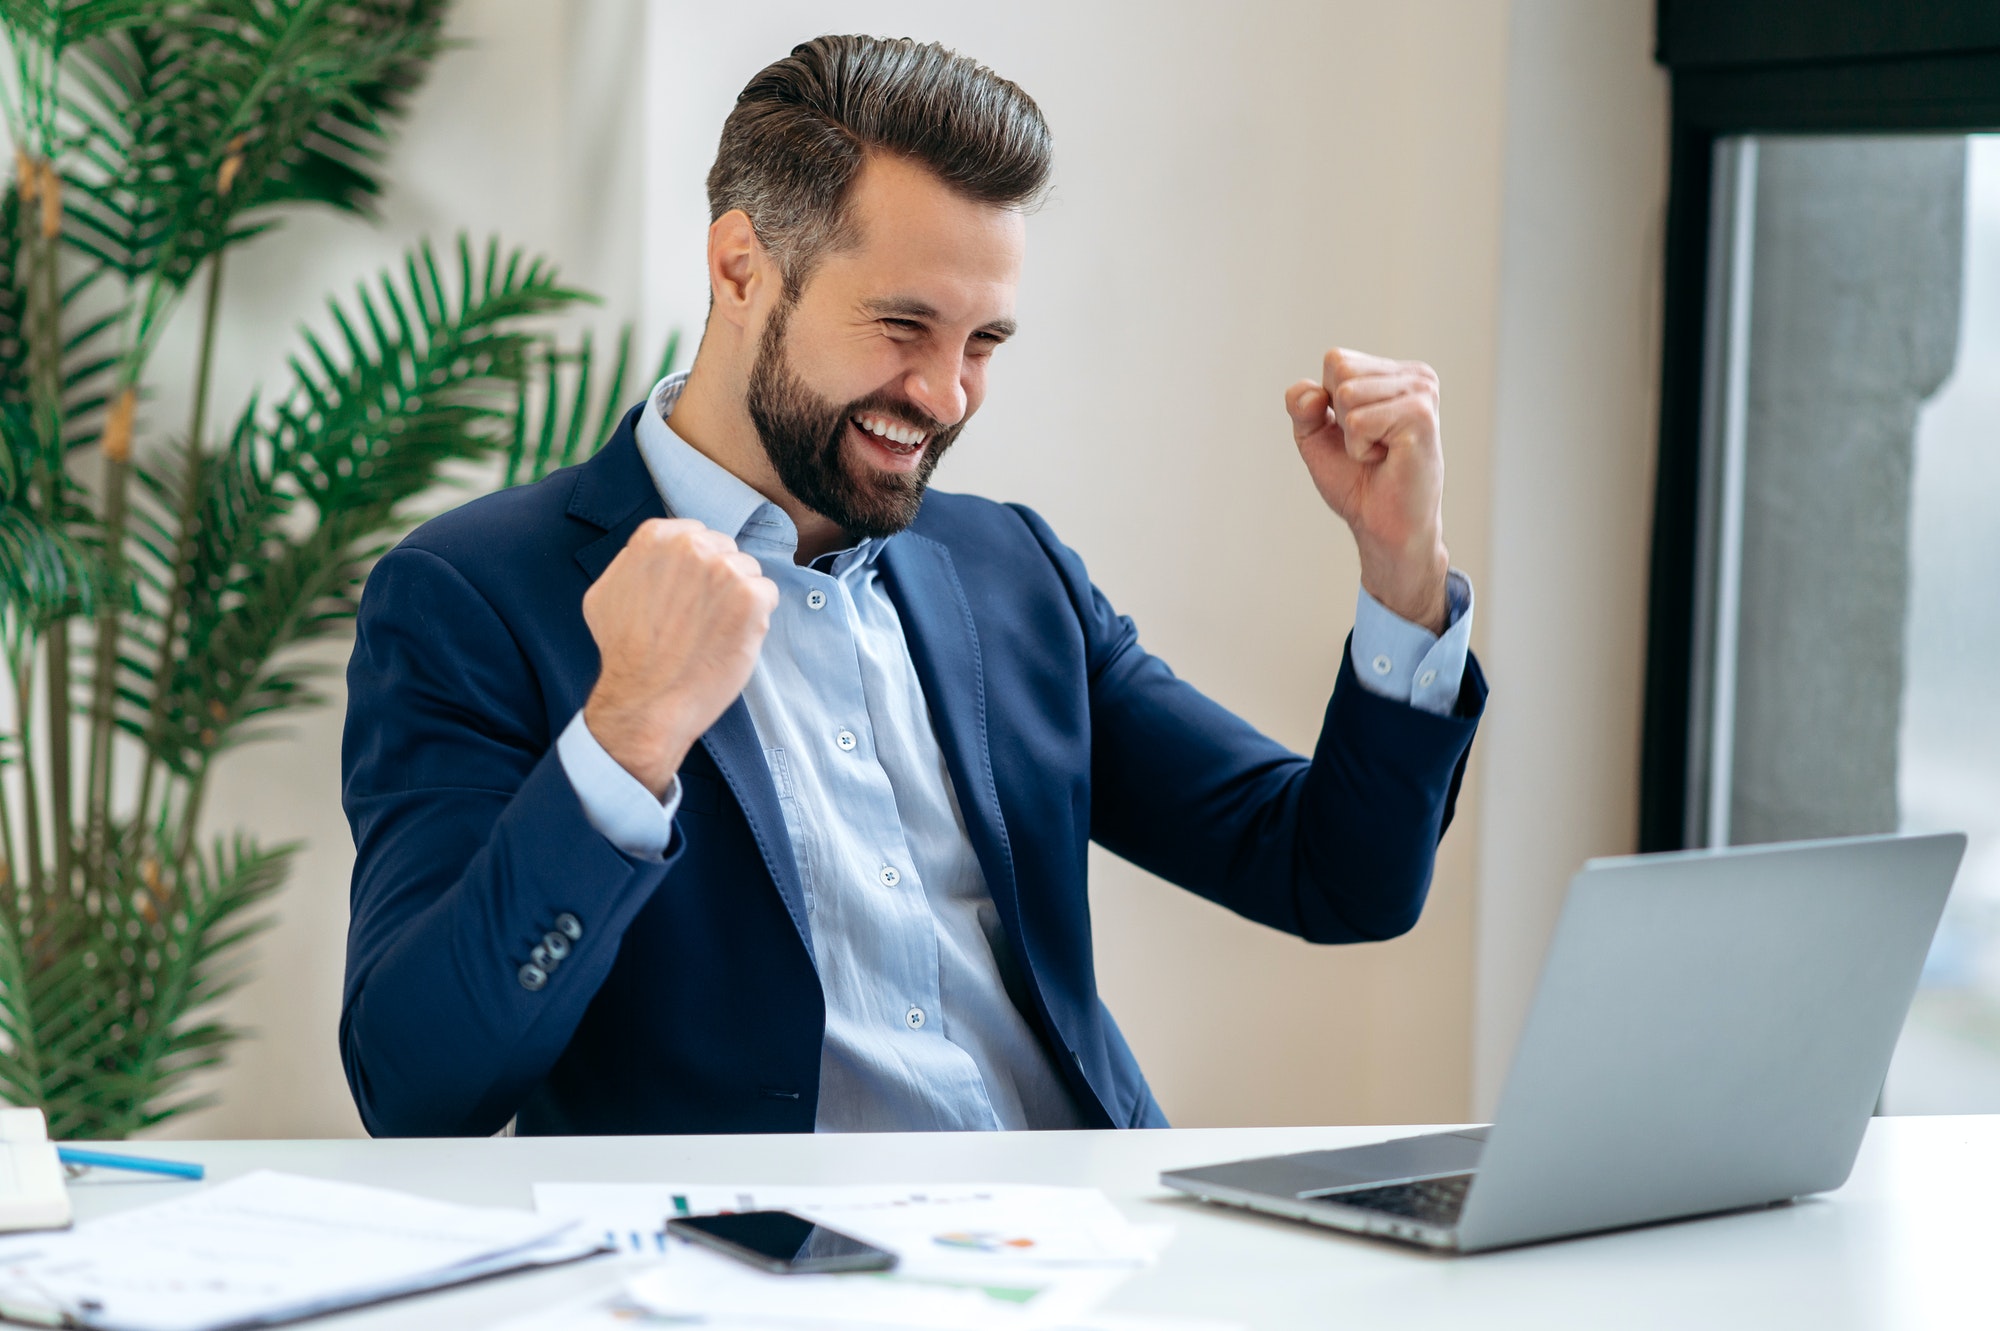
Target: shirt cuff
{"points": [[1407, 662], [623, 811]]}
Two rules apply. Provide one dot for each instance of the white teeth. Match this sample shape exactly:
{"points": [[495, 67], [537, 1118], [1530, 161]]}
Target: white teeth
{"points": [[901, 435]]}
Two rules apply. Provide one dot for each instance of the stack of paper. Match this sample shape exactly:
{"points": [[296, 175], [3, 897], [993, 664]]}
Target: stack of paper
{"points": [[264, 1248], [1003, 1257]]}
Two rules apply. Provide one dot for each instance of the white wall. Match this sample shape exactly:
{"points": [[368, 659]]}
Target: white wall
{"points": [[1238, 186], [1572, 484]]}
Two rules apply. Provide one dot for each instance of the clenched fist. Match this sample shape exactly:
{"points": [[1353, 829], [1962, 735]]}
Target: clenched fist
{"points": [[1368, 431], [679, 617]]}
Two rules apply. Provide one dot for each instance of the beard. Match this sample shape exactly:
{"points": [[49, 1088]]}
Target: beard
{"points": [[805, 436]]}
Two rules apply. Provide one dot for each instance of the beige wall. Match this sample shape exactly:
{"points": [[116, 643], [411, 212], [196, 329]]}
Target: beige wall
{"points": [[1237, 188], [1574, 427]]}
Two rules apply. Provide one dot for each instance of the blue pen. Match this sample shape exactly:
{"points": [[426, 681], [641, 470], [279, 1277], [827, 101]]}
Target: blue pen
{"points": [[138, 1164]]}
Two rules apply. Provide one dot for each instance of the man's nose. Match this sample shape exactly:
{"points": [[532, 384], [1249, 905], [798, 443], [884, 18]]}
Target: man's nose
{"points": [[938, 386]]}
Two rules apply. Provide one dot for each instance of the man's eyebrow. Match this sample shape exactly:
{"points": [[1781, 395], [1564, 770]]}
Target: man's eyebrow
{"points": [[909, 307], [906, 307]]}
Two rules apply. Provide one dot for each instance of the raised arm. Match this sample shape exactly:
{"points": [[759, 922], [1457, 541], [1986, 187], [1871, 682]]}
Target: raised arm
{"points": [[473, 848], [470, 847], [1335, 849]]}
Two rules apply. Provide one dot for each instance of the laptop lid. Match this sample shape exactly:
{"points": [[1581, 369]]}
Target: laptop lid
{"points": [[1711, 1031]]}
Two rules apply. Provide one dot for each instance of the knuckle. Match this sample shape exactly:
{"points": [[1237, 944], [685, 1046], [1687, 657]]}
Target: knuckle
{"points": [[663, 530]]}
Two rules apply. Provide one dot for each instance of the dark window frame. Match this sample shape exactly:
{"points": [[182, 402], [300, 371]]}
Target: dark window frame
{"points": [[1756, 67]]}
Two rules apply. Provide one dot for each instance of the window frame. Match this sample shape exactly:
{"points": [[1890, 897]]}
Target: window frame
{"points": [[1764, 67]]}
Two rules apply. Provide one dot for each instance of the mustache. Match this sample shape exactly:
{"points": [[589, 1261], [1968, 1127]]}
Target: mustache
{"points": [[901, 411]]}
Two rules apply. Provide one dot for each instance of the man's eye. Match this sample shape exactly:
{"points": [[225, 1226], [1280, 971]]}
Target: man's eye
{"points": [[904, 325]]}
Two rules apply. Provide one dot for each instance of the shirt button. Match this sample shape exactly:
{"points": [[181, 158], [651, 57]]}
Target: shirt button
{"points": [[815, 599], [1428, 678], [1382, 665], [914, 1018], [889, 876], [845, 739]]}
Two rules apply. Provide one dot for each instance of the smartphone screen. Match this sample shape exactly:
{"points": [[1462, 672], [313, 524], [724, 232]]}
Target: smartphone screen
{"points": [[783, 1242]]}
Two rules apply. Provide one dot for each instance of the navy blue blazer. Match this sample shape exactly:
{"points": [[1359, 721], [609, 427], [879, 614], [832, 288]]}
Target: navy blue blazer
{"points": [[687, 1000]]}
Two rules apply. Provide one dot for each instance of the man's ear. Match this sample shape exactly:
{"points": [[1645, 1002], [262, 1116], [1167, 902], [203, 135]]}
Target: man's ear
{"points": [[739, 267]]}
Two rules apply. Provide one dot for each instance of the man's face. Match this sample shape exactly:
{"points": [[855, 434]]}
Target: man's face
{"points": [[865, 378]]}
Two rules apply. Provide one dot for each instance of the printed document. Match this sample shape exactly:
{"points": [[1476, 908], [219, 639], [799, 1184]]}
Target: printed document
{"points": [[267, 1247], [987, 1257]]}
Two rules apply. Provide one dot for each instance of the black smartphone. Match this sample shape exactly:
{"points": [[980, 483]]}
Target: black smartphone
{"points": [[782, 1242]]}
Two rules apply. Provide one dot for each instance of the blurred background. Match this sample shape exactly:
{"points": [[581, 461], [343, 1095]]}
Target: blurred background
{"points": [[1483, 184], [1478, 183]]}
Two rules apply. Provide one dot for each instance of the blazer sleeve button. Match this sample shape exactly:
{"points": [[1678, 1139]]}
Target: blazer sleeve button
{"points": [[569, 926], [556, 945], [541, 957], [532, 977]]}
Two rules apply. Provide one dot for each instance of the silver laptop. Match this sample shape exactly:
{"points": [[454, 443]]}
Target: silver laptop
{"points": [[1711, 1032]]}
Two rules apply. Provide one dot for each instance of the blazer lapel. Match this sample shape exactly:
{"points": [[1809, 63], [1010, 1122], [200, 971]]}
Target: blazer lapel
{"points": [[944, 645], [732, 743], [615, 491]]}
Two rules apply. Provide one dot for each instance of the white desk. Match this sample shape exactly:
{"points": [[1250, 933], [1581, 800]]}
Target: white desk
{"points": [[1912, 1241]]}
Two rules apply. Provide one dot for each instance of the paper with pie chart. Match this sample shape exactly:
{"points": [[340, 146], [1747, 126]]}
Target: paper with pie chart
{"points": [[1024, 1225]]}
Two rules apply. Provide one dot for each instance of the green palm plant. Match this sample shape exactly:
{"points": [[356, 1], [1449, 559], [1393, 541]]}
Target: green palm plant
{"points": [[155, 586]]}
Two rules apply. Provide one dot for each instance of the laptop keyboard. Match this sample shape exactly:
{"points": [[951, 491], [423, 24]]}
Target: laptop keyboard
{"points": [[1433, 1201]]}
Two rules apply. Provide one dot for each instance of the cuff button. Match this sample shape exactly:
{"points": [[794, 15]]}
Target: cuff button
{"points": [[532, 977], [569, 926], [556, 944]]}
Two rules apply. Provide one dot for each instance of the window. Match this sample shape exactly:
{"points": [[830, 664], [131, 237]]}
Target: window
{"points": [[1823, 619], [1850, 536]]}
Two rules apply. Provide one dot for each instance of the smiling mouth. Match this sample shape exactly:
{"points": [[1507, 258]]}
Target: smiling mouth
{"points": [[891, 435]]}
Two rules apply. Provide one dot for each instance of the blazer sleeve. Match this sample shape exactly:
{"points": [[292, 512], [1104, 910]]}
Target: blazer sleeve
{"points": [[1335, 849], [470, 848]]}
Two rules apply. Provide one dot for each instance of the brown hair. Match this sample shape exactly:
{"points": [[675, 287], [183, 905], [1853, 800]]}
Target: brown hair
{"points": [[802, 128]]}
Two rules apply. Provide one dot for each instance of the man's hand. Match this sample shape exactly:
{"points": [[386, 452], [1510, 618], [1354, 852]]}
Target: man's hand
{"points": [[1368, 432], [678, 618]]}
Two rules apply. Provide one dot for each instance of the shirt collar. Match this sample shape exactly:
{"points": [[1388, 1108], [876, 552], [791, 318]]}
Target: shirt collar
{"points": [[694, 485]]}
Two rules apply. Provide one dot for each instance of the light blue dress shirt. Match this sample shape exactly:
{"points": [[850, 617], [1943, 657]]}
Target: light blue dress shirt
{"points": [[921, 1032]]}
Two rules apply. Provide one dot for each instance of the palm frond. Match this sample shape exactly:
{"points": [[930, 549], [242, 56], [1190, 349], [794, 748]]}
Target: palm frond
{"points": [[156, 134], [101, 999], [419, 374], [222, 109], [563, 412]]}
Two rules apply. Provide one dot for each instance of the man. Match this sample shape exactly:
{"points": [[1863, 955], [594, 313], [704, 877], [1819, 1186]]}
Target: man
{"points": [[730, 783]]}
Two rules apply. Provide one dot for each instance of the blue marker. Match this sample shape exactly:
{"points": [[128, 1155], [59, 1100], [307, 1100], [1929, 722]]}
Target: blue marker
{"points": [[138, 1164]]}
